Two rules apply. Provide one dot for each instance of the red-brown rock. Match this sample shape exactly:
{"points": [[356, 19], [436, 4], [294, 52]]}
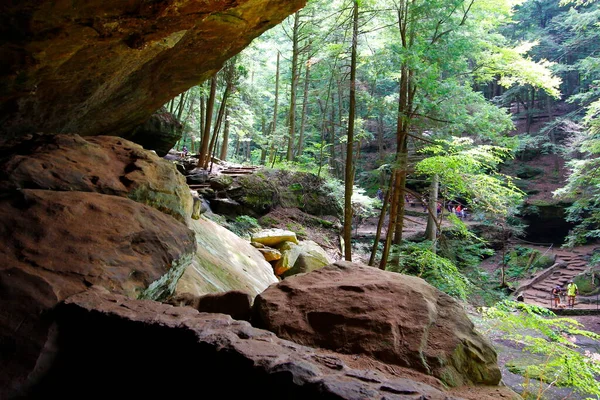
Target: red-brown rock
{"points": [[56, 244], [102, 164], [398, 319], [107, 346], [102, 67], [234, 303]]}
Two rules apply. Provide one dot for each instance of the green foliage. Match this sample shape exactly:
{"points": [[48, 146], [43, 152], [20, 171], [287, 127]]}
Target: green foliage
{"points": [[461, 246], [244, 226], [539, 331], [524, 261], [418, 259], [467, 171]]}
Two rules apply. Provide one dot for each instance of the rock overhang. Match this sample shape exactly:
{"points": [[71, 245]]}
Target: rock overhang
{"points": [[103, 67]]}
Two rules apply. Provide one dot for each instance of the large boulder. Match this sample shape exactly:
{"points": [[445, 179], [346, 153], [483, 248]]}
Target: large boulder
{"points": [[56, 244], [224, 262], [398, 319], [102, 164], [108, 346], [273, 237], [305, 257], [102, 67], [159, 133]]}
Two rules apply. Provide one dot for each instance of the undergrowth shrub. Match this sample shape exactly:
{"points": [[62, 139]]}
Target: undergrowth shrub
{"points": [[244, 226], [418, 259]]}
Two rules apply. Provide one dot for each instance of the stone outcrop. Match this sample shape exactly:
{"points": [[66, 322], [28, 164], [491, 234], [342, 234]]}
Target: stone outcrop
{"points": [[58, 243], [102, 164], [106, 345], [261, 192], [159, 133], [103, 67], [274, 237], [397, 319], [304, 257], [224, 262]]}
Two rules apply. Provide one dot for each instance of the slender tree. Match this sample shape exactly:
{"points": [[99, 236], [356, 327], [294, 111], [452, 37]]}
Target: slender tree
{"points": [[293, 87], [349, 178], [203, 154]]}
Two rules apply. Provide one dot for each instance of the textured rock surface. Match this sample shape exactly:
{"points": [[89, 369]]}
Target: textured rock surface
{"points": [[55, 244], [234, 303], [159, 133], [102, 164], [103, 67], [274, 237], [305, 257], [156, 350], [263, 191], [224, 262], [398, 319]]}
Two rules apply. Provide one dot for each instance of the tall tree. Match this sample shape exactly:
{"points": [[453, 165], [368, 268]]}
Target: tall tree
{"points": [[349, 176], [293, 87], [203, 153]]}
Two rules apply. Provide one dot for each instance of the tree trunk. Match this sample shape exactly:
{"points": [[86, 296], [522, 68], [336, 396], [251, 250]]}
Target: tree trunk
{"points": [[304, 107], [431, 230], [349, 178], [220, 114], [332, 160], [202, 116], [292, 113], [274, 125], [395, 194], [530, 110], [263, 148], [386, 202], [225, 144], [206, 134], [237, 145], [181, 105]]}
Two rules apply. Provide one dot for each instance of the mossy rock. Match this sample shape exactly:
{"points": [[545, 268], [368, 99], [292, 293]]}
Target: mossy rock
{"points": [[588, 282], [220, 182]]}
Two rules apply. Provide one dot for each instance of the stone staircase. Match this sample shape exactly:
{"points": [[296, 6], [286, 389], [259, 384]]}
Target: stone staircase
{"points": [[568, 264]]}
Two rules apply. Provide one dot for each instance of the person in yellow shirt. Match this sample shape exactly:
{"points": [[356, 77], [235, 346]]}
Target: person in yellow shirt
{"points": [[572, 291]]}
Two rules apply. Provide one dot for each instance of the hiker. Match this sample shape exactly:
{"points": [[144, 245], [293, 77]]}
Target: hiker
{"points": [[572, 291], [184, 151], [380, 194], [556, 292], [458, 211]]}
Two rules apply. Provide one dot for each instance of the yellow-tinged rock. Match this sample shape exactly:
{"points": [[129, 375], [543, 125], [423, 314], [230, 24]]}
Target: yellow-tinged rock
{"points": [[274, 237], [270, 254]]}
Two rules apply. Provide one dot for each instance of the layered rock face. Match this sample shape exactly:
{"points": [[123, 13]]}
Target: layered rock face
{"points": [[398, 319], [68, 220], [103, 67], [56, 244], [107, 346], [103, 164], [223, 262]]}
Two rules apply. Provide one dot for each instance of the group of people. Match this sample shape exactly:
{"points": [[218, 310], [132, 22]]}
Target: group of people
{"points": [[453, 207], [571, 290]]}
